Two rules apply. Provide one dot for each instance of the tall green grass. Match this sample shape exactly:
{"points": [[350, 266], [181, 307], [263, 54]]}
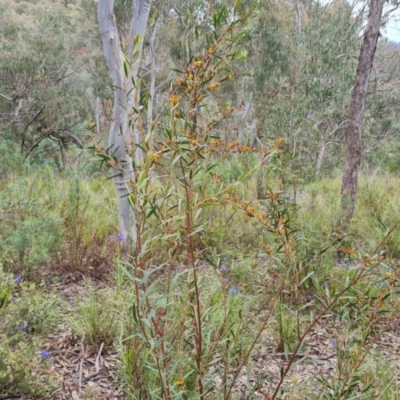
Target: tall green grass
{"points": [[377, 211]]}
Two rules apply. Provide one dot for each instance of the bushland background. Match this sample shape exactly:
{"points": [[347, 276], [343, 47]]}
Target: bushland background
{"points": [[241, 285]]}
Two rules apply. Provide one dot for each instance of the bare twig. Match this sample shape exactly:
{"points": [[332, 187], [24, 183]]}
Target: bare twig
{"points": [[82, 360], [95, 376], [36, 144], [34, 118], [16, 96], [98, 358], [9, 99], [77, 141]]}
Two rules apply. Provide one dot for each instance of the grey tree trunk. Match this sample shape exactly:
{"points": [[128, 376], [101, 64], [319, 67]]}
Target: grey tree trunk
{"points": [[354, 129], [123, 136], [320, 158], [298, 18]]}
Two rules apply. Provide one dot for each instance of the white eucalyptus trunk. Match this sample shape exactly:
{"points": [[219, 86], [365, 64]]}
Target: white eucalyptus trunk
{"points": [[320, 158], [123, 136]]}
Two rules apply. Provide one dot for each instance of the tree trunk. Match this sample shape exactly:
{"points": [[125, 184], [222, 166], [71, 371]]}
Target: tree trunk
{"points": [[298, 18], [122, 134], [320, 158], [354, 131]]}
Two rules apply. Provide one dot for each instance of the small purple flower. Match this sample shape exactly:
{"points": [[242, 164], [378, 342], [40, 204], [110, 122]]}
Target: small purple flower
{"points": [[287, 201], [46, 161], [309, 297], [337, 319], [14, 299], [234, 291], [309, 207], [224, 268], [18, 278], [45, 354], [121, 238], [333, 343]]}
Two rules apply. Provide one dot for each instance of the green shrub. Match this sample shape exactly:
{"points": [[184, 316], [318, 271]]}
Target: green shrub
{"points": [[26, 315], [23, 371], [6, 288], [30, 311], [30, 231], [30, 243]]}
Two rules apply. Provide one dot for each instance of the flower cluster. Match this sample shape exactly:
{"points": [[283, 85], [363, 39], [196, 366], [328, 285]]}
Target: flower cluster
{"points": [[233, 144], [156, 158], [266, 247], [233, 147], [233, 291], [199, 78], [180, 382], [174, 100], [348, 250], [45, 354], [214, 86], [224, 268], [393, 276], [212, 49], [273, 215]]}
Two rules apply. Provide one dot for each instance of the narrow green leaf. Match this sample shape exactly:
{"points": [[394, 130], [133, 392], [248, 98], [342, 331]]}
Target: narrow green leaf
{"points": [[125, 69], [134, 314]]}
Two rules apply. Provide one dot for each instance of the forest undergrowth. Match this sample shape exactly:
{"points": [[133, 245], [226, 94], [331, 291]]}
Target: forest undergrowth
{"points": [[233, 283], [260, 290]]}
